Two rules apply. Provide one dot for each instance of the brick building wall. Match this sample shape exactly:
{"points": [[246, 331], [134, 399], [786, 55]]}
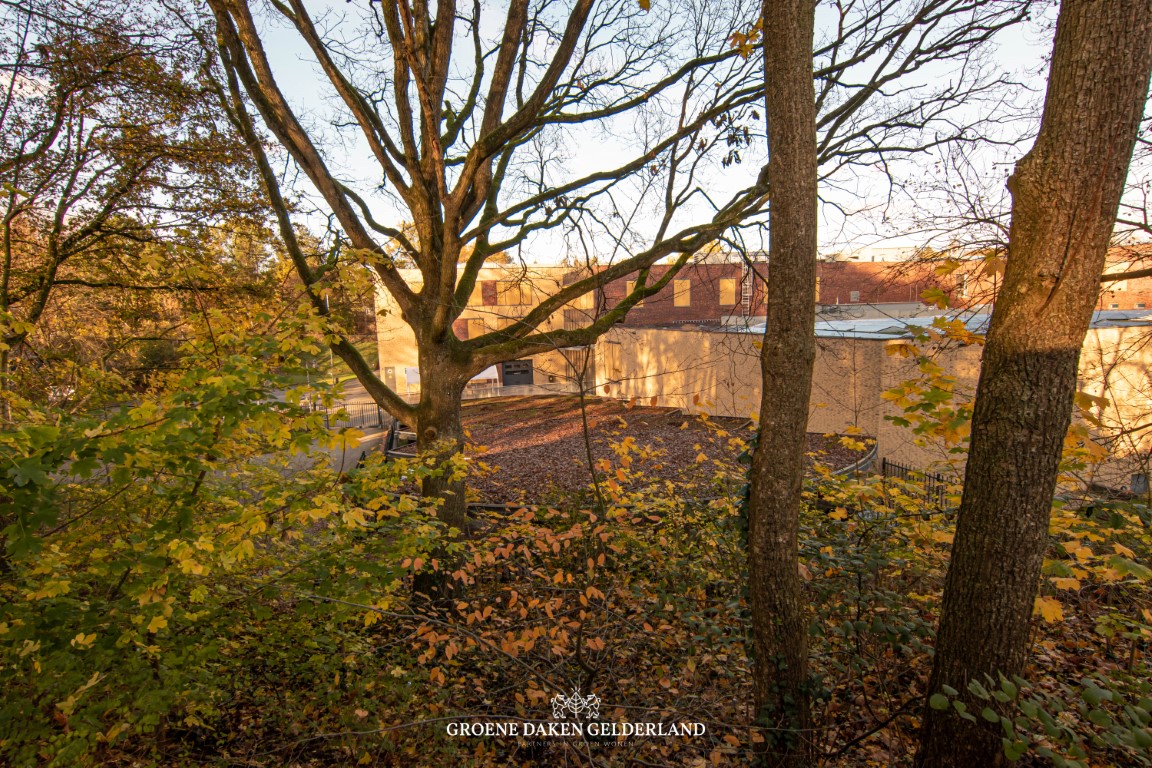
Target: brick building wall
{"points": [[700, 293], [848, 282]]}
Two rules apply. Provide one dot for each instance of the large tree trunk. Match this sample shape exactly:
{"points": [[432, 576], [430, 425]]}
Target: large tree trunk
{"points": [[439, 429], [779, 621], [440, 442], [1065, 193]]}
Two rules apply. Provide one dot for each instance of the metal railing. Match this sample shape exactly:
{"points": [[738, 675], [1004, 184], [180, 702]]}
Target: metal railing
{"points": [[863, 464], [933, 487], [481, 391], [355, 415], [366, 414]]}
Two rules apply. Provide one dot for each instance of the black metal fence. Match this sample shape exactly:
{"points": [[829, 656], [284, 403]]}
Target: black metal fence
{"points": [[932, 487], [356, 416]]}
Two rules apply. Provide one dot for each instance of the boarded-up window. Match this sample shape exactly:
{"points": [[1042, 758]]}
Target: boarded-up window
{"points": [[477, 297], [631, 287], [682, 293], [585, 301], [854, 296], [727, 291], [512, 293], [476, 327]]}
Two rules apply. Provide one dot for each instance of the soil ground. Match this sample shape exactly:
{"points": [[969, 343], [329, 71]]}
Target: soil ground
{"points": [[536, 449]]}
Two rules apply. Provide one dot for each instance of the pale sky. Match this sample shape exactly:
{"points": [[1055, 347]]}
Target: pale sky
{"points": [[1020, 52]]}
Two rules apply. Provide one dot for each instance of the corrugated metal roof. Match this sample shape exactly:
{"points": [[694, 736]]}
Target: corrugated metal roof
{"points": [[905, 327]]}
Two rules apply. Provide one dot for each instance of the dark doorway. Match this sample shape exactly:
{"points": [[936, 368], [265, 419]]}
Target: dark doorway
{"points": [[517, 372]]}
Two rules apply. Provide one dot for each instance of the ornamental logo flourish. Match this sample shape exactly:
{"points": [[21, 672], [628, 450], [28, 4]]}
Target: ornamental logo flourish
{"points": [[580, 707]]}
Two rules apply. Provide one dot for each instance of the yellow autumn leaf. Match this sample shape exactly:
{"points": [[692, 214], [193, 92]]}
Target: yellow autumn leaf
{"points": [[1050, 608], [158, 623], [901, 348], [993, 265], [83, 641], [1065, 583], [1120, 549]]}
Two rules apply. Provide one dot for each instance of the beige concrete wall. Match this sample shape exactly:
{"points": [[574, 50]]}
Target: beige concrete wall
{"points": [[901, 444], [696, 370], [396, 344], [1116, 365], [718, 372]]}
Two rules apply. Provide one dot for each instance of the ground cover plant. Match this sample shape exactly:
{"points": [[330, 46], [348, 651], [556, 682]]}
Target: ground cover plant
{"points": [[177, 592]]}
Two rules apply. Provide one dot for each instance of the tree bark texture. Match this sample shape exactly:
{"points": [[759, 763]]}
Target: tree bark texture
{"points": [[440, 442], [440, 431], [779, 621], [1065, 195]]}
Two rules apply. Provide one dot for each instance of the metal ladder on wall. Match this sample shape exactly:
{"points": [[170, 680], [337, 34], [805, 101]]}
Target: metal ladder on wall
{"points": [[745, 290]]}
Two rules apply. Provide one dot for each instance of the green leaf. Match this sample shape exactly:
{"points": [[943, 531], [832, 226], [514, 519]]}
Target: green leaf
{"points": [[935, 296], [1094, 695], [1008, 687], [938, 701], [1014, 750], [1128, 567], [1100, 717]]}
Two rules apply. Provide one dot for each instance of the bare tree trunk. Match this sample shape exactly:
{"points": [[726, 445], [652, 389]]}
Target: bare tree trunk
{"points": [[440, 442], [779, 621], [1065, 193], [5, 405], [440, 429]]}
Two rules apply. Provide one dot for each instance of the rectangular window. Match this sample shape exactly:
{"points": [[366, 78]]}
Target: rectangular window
{"points": [[513, 293], [1113, 306], [854, 296], [1141, 305], [727, 291], [682, 293], [476, 327], [628, 288], [477, 297]]}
